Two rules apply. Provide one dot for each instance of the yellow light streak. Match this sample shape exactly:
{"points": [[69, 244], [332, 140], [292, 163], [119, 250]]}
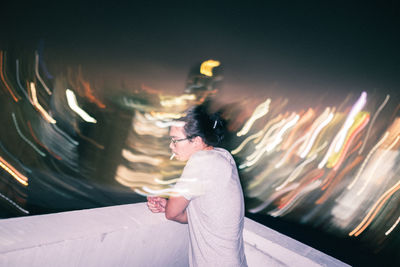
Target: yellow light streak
{"points": [[165, 115], [328, 153], [353, 133], [245, 141], [260, 111], [176, 101], [266, 127], [142, 126], [38, 107], [349, 121], [207, 66], [13, 172], [128, 155], [359, 122]]}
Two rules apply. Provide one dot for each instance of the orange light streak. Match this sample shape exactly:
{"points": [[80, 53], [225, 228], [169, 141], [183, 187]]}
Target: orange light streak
{"points": [[42, 145], [328, 180], [315, 174], [15, 97], [13, 172], [88, 90], [93, 142], [337, 180], [374, 210]]}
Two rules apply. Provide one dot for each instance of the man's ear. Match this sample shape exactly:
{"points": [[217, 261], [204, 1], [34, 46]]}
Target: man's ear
{"points": [[198, 140]]}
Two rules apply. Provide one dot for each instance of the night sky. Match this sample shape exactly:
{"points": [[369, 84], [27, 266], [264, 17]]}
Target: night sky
{"points": [[290, 48]]}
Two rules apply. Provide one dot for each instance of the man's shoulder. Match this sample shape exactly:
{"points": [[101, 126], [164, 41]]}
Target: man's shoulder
{"points": [[217, 155]]}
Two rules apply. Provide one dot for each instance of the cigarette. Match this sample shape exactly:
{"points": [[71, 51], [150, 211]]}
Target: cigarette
{"points": [[172, 156]]}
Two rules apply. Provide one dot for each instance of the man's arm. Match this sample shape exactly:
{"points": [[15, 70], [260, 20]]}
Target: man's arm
{"points": [[175, 209]]}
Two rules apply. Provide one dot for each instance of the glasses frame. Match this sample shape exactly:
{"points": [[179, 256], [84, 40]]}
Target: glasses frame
{"points": [[175, 141]]}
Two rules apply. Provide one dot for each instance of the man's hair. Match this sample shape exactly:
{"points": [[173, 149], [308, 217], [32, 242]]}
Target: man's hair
{"points": [[209, 126]]}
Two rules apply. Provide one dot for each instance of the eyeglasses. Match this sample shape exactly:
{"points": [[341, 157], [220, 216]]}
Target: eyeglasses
{"points": [[174, 141]]}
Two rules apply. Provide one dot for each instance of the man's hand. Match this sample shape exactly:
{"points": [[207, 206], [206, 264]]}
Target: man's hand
{"points": [[156, 204]]}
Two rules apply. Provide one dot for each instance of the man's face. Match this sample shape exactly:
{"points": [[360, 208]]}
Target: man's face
{"points": [[184, 148]]}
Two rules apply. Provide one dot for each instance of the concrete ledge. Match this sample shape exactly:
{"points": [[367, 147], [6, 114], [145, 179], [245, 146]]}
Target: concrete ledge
{"points": [[127, 235], [271, 248], [130, 235]]}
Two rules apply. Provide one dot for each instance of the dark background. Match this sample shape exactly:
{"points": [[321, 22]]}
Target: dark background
{"points": [[285, 47], [296, 49]]}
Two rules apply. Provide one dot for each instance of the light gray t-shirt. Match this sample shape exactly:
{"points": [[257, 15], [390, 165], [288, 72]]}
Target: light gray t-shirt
{"points": [[216, 210]]}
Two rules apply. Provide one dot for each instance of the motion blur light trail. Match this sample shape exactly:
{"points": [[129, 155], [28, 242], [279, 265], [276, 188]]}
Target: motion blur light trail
{"points": [[334, 168], [14, 173], [356, 175], [73, 104], [14, 95]]}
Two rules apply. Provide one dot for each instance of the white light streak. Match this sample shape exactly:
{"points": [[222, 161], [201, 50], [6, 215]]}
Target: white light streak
{"points": [[26, 139], [163, 191], [372, 123], [73, 104], [377, 163], [296, 172], [37, 73], [289, 151], [14, 204], [393, 226], [314, 135], [349, 121], [259, 112], [367, 159]]}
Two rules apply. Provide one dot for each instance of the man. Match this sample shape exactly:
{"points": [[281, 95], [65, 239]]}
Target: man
{"points": [[208, 194]]}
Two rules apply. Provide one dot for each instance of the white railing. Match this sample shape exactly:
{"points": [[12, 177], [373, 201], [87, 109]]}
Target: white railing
{"points": [[130, 235]]}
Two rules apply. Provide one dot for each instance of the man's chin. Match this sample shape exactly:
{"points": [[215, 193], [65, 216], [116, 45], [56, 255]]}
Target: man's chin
{"points": [[178, 157]]}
